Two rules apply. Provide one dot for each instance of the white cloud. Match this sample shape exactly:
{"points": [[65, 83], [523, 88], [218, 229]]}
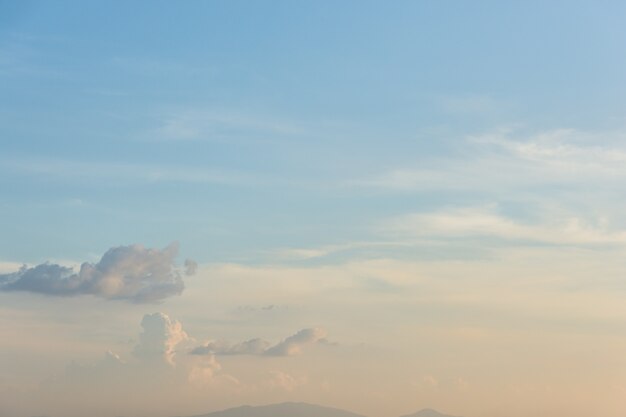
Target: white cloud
{"points": [[159, 338]]}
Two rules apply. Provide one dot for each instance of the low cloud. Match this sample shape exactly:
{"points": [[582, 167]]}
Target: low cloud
{"points": [[284, 381], [293, 344], [249, 347], [159, 338], [154, 380], [290, 346], [132, 273]]}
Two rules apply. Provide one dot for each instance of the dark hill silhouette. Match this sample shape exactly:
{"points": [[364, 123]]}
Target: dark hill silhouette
{"points": [[291, 409], [427, 412], [282, 410]]}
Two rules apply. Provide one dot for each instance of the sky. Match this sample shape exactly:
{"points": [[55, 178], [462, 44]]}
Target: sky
{"points": [[376, 206]]}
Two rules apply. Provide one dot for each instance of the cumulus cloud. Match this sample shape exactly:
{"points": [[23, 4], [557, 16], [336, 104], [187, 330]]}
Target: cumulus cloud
{"points": [[131, 273], [288, 347], [159, 338], [151, 381], [155, 379]]}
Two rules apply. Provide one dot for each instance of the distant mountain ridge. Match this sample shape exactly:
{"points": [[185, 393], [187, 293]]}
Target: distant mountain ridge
{"points": [[293, 409], [288, 409], [427, 412]]}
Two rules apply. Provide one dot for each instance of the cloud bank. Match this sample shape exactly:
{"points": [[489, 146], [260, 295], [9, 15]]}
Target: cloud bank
{"points": [[132, 273]]}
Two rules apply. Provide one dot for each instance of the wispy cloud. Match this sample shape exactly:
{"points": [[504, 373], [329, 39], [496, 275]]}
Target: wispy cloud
{"points": [[221, 125], [115, 172], [297, 254], [151, 67], [503, 159], [469, 104], [22, 54], [560, 228]]}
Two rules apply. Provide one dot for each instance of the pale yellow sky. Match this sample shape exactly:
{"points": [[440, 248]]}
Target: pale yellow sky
{"points": [[524, 331]]}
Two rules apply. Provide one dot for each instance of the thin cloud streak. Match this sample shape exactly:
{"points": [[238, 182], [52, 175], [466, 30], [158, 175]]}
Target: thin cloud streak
{"points": [[214, 125], [561, 157], [562, 228], [128, 173]]}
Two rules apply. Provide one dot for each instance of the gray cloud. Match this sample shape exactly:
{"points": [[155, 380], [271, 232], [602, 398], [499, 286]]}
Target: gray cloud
{"points": [[46, 278], [131, 273], [191, 266], [288, 347]]}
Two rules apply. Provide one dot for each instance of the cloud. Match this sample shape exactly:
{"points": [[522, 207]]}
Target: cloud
{"points": [[557, 157], [469, 104], [207, 124], [288, 347], [249, 347], [293, 344], [114, 173], [555, 228], [131, 273], [46, 278], [284, 381], [191, 267], [109, 366], [159, 338], [151, 381], [349, 248], [7, 267]]}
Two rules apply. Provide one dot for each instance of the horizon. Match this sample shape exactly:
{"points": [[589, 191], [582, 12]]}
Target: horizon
{"points": [[275, 406], [377, 207]]}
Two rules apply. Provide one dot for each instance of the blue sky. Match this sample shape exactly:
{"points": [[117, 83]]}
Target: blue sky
{"points": [[232, 126], [449, 173]]}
